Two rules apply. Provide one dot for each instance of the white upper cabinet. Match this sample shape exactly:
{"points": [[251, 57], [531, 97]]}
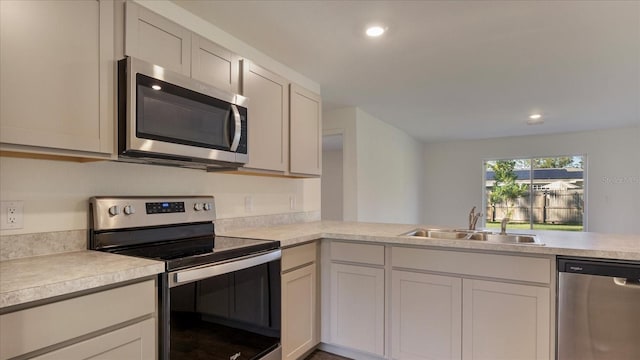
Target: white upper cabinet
{"points": [[285, 124], [153, 38], [57, 70], [268, 117], [305, 132], [214, 64]]}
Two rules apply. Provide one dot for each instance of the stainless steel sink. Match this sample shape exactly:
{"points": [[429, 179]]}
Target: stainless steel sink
{"points": [[447, 234], [513, 239], [519, 239]]}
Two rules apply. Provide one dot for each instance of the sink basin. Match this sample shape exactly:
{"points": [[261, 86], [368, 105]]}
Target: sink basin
{"points": [[447, 234], [520, 239], [513, 239]]}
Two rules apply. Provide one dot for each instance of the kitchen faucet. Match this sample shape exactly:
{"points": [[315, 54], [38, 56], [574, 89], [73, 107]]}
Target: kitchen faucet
{"points": [[503, 226], [473, 218]]}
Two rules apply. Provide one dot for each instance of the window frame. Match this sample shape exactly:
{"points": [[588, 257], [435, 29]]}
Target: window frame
{"points": [[585, 215]]}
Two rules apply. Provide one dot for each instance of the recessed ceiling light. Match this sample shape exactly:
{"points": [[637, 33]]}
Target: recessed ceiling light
{"points": [[375, 31], [156, 87], [535, 119]]}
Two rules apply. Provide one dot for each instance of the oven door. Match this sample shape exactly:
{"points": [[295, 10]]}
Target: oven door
{"points": [[226, 311]]}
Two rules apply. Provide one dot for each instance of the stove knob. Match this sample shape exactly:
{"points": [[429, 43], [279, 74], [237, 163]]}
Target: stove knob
{"points": [[114, 210], [207, 206], [128, 210], [197, 206]]}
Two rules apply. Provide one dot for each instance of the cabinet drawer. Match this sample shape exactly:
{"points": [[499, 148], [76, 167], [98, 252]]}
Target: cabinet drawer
{"points": [[357, 253], [35, 328], [296, 256], [511, 267]]}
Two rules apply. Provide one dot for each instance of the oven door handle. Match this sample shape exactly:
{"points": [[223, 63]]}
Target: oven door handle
{"points": [[203, 272]]}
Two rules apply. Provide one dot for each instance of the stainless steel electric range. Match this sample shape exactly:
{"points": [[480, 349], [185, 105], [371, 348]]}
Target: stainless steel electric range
{"points": [[219, 297]]}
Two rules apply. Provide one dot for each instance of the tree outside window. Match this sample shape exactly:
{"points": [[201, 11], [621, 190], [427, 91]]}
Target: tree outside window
{"points": [[536, 193]]}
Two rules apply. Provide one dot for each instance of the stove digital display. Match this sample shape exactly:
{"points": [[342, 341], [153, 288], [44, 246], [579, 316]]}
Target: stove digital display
{"points": [[165, 207]]}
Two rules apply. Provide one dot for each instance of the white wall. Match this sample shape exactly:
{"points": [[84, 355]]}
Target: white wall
{"points": [[390, 168], [56, 193], [332, 188], [454, 175], [343, 121], [383, 168]]}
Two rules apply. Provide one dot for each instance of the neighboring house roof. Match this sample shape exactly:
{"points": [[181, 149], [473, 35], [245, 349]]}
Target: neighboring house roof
{"points": [[539, 174]]}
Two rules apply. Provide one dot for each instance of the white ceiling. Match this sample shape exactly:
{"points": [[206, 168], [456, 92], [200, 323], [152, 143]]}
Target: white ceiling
{"points": [[455, 69]]}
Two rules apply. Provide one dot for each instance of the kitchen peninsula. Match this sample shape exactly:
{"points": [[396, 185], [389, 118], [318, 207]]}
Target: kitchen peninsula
{"points": [[369, 264]]}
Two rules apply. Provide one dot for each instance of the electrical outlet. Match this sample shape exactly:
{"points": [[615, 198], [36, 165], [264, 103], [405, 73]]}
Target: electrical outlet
{"points": [[11, 214]]}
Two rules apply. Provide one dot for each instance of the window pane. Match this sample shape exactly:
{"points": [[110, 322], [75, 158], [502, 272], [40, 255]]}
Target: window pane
{"points": [[507, 193], [558, 193]]}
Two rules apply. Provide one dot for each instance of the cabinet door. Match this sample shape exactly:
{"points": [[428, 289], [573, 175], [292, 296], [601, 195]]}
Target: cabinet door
{"points": [[153, 38], [299, 323], [137, 341], [357, 307], [305, 132], [505, 321], [214, 64], [57, 74], [426, 316], [268, 118]]}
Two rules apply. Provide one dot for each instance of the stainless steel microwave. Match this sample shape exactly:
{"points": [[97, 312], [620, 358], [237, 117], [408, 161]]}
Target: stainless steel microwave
{"points": [[170, 119]]}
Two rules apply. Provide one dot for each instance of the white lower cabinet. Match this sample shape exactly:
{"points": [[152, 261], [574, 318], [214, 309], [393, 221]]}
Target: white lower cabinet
{"points": [[354, 299], [135, 341], [118, 323], [426, 316], [299, 301], [505, 321], [299, 304], [456, 317], [357, 307]]}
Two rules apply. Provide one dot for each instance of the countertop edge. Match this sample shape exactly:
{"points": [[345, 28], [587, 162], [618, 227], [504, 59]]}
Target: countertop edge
{"points": [[43, 292]]}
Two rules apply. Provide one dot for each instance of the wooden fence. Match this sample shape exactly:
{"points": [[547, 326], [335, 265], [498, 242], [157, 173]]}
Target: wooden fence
{"points": [[549, 207]]}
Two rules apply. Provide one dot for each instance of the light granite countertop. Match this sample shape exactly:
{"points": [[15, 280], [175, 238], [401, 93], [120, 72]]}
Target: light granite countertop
{"points": [[34, 278], [41, 277], [585, 244]]}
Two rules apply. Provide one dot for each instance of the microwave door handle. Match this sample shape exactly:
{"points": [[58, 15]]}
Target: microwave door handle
{"points": [[238, 128]]}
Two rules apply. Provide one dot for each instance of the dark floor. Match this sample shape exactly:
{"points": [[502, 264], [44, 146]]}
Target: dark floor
{"points": [[321, 355]]}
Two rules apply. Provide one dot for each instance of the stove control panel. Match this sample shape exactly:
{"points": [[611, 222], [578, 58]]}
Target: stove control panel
{"points": [[165, 207], [120, 212]]}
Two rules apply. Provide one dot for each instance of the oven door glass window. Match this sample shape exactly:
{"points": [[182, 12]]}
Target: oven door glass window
{"points": [[229, 316], [173, 114]]}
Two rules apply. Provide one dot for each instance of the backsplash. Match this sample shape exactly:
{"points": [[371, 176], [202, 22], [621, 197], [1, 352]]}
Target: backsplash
{"points": [[54, 242], [226, 225], [37, 244]]}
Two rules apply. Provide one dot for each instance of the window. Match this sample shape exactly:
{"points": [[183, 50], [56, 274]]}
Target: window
{"points": [[536, 193]]}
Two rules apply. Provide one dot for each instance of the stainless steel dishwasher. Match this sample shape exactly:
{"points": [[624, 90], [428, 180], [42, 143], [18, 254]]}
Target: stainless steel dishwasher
{"points": [[598, 309]]}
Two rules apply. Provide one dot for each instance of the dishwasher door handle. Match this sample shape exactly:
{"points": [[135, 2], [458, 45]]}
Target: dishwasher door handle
{"points": [[626, 283]]}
